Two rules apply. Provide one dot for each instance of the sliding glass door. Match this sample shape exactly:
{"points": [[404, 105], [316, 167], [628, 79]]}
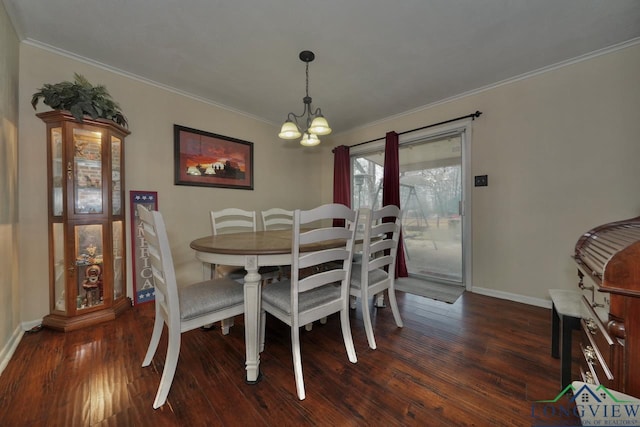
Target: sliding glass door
{"points": [[431, 196]]}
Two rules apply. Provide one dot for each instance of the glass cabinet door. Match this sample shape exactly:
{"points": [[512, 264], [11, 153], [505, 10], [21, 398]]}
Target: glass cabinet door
{"points": [[57, 178], [87, 166], [116, 181], [89, 263], [60, 266], [118, 263]]}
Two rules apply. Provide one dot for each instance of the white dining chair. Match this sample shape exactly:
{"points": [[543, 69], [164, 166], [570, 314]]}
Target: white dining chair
{"points": [[376, 271], [277, 219], [181, 308], [231, 220], [321, 292], [234, 220]]}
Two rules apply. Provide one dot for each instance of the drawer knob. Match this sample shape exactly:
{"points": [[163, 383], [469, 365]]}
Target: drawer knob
{"points": [[591, 326], [588, 378]]}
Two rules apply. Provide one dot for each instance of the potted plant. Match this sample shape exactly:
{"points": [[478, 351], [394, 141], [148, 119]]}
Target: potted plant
{"points": [[79, 98]]}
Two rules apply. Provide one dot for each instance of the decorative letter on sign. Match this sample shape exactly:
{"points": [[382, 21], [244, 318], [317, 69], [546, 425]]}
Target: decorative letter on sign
{"points": [[143, 286]]}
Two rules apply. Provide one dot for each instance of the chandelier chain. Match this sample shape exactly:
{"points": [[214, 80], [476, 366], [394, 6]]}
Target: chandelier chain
{"points": [[307, 85]]}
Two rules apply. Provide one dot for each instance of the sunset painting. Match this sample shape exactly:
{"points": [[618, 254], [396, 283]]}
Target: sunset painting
{"points": [[207, 159]]}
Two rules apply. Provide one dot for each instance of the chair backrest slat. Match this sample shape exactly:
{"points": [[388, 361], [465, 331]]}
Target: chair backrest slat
{"points": [[324, 234], [232, 220], [307, 260], [380, 262], [384, 244], [277, 219], [321, 279]]}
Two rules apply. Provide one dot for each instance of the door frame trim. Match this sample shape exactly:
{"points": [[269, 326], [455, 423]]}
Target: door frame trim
{"points": [[463, 128]]}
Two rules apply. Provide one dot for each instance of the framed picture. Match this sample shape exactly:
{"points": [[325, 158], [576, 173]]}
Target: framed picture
{"points": [[209, 160], [143, 285]]}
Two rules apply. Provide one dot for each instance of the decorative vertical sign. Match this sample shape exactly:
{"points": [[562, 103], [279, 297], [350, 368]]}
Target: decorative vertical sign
{"points": [[143, 286]]}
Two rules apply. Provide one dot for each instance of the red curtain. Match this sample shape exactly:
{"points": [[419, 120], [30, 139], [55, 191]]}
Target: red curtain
{"points": [[391, 191], [341, 178]]}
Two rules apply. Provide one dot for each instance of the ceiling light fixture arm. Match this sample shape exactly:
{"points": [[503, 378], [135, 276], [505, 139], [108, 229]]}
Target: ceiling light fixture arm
{"points": [[306, 114]]}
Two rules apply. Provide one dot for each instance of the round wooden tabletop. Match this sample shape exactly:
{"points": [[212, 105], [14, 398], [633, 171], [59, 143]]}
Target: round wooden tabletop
{"points": [[272, 242]]}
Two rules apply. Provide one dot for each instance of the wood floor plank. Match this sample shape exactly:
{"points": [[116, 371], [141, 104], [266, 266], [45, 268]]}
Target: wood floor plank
{"points": [[478, 362]]}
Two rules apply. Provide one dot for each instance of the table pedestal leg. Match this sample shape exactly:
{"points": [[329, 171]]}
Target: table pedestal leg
{"points": [[380, 300], [252, 307], [207, 271]]}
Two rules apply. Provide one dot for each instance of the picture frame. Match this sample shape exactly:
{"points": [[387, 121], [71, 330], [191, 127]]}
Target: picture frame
{"points": [[207, 159]]}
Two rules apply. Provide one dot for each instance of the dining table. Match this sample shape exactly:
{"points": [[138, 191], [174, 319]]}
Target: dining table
{"points": [[251, 250]]}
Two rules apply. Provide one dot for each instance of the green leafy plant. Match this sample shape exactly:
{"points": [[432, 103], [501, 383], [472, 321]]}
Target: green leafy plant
{"points": [[79, 98]]}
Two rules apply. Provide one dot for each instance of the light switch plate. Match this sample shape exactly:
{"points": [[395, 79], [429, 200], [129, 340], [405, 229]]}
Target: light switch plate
{"points": [[481, 180]]}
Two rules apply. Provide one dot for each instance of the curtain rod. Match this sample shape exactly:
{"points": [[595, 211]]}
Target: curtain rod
{"points": [[472, 116]]}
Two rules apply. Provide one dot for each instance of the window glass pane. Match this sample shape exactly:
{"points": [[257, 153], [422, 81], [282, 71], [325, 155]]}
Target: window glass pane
{"points": [[366, 180]]}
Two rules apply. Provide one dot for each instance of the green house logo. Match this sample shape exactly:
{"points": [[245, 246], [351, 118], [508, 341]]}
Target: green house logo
{"points": [[599, 394]]}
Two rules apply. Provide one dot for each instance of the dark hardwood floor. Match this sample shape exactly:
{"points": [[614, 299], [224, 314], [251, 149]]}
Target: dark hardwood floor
{"points": [[480, 361]]}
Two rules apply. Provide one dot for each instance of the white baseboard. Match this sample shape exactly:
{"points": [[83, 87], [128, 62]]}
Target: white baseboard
{"points": [[538, 302], [7, 352], [10, 348], [31, 324]]}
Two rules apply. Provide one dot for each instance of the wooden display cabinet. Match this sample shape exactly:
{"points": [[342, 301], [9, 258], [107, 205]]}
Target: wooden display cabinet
{"points": [[87, 259]]}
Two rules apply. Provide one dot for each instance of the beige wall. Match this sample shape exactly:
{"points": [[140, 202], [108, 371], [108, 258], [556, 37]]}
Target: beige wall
{"points": [[562, 151], [10, 331], [285, 173]]}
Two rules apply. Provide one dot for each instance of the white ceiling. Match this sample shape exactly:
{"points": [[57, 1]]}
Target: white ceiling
{"points": [[374, 58]]}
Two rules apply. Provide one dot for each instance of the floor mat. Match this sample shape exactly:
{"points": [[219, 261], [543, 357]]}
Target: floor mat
{"points": [[436, 291]]}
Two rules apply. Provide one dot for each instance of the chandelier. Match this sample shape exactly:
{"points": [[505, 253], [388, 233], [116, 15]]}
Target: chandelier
{"points": [[310, 123]]}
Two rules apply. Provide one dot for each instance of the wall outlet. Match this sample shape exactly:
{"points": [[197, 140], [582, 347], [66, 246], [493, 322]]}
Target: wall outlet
{"points": [[481, 180]]}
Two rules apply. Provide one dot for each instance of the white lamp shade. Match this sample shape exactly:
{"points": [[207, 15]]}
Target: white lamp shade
{"points": [[309, 140], [289, 130], [320, 126]]}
